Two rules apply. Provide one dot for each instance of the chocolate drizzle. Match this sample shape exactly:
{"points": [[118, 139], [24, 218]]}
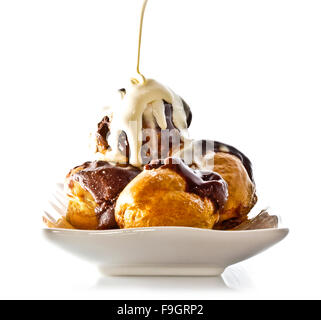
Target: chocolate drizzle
{"points": [[203, 183], [169, 116], [104, 182], [188, 113]]}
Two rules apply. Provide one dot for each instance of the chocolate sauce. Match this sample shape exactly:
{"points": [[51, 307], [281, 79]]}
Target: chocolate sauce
{"points": [[104, 182], [203, 183], [103, 132], [169, 114], [188, 113]]}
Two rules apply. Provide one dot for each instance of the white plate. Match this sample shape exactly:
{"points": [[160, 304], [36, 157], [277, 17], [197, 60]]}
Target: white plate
{"points": [[160, 250]]}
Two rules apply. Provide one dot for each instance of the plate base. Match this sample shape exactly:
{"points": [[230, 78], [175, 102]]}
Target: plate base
{"points": [[161, 270]]}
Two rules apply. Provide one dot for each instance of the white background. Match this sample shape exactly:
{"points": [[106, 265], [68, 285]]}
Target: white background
{"points": [[251, 72]]}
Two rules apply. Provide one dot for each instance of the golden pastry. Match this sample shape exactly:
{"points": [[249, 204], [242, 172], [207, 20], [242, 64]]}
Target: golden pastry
{"points": [[171, 195], [241, 189]]}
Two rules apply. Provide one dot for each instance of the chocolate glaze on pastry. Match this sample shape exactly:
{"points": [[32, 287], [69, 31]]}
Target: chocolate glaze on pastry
{"points": [[203, 183], [104, 182], [217, 146]]}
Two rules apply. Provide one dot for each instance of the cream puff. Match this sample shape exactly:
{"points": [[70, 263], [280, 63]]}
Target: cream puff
{"points": [[93, 189], [170, 193]]}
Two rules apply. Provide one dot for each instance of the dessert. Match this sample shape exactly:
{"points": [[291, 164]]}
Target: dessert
{"points": [[148, 172]]}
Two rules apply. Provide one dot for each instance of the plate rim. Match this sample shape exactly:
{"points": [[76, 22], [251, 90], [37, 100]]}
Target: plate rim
{"points": [[163, 229]]}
